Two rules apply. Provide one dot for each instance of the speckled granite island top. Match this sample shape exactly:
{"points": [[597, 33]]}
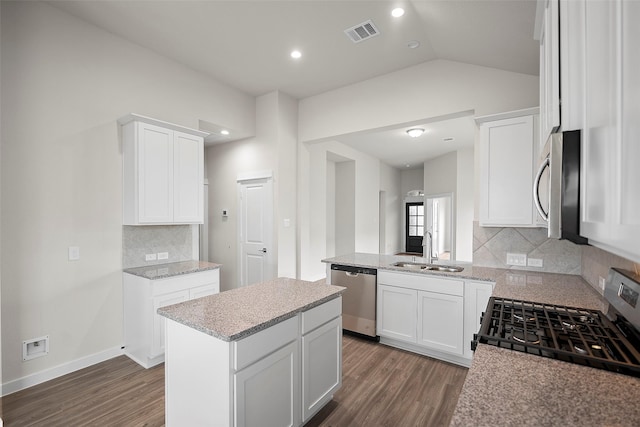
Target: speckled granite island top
{"points": [[238, 313], [162, 271]]}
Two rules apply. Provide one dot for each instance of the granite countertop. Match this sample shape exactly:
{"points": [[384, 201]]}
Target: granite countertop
{"points": [[163, 271], [240, 312], [505, 387], [384, 262]]}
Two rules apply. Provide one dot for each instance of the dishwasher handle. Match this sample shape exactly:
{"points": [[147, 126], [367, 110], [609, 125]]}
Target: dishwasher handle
{"points": [[352, 274], [353, 271]]}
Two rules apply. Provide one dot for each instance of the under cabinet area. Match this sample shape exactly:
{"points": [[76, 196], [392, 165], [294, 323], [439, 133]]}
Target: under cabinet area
{"points": [[144, 329], [432, 315], [163, 172], [508, 152]]}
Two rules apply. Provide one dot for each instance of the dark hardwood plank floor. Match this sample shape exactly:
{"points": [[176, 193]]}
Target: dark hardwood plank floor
{"points": [[382, 386]]}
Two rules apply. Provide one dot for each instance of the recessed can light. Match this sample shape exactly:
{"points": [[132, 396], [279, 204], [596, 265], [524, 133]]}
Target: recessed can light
{"points": [[397, 12], [224, 132], [296, 54]]}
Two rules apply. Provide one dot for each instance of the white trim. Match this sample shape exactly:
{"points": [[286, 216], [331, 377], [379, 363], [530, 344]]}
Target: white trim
{"points": [[249, 176], [132, 117], [60, 370], [508, 115]]}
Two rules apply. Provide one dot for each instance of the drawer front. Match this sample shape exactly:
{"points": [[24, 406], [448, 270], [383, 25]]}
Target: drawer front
{"points": [[321, 314], [185, 281], [256, 346], [422, 282]]}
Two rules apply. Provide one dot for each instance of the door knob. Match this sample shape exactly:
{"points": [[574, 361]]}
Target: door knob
{"points": [[263, 250]]}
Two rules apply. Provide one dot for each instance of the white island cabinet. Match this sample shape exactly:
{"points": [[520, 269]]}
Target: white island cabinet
{"points": [[264, 355]]}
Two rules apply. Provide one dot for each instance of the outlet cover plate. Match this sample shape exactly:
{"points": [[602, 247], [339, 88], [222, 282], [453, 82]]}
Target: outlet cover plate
{"points": [[516, 259], [163, 255], [534, 262], [150, 257]]}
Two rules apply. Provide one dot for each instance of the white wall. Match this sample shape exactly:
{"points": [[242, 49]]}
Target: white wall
{"points": [[465, 202], [431, 89], [312, 181], [412, 179], [273, 148], [64, 84], [390, 183], [345, 207]]}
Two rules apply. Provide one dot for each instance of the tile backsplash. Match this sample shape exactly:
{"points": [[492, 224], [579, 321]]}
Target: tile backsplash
{"points": [[137, 241], [596, 264], [491, 244]]}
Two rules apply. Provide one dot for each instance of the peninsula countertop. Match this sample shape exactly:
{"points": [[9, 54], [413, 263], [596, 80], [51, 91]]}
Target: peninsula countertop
{"points": [[240, 312]]}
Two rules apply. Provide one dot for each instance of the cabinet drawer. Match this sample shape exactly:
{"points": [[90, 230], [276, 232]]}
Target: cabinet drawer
{"points": [[256, 346], [422, 282], [321, 314], [185, 281]]}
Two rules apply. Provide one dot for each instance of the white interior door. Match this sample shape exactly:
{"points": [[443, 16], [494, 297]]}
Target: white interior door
{"points": [[255, 203]]}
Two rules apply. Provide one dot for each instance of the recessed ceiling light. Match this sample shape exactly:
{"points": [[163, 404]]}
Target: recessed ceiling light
{"points": [[224, 132], [448, 139], [407, 165], [415, 132], [296, 54], [397, 12], [412, 44]]}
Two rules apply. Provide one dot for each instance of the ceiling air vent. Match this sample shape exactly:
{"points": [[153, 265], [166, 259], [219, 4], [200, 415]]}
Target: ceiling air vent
{"points": [[361, 32]]}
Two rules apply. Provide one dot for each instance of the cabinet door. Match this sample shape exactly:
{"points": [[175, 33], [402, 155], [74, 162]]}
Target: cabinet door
{"points": [[267, 392], [440, 321], [155, 174], [506, 172], [550, 71], [321, 366], [476, 297], [397, 313], [188, 178], [157, 342]]}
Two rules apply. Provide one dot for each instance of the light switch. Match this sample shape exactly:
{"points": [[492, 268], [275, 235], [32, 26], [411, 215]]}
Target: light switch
{"points": [[287, 222], [74, 253]]}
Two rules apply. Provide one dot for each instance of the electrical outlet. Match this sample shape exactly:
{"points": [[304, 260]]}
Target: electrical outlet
{"points": [[602, 282], [150, 257], [163, 255], [534, 262], [517, 259], [74, 253]]}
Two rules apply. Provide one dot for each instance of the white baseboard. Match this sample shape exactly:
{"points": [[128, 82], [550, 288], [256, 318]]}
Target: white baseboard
{"points": [[58, 371]]}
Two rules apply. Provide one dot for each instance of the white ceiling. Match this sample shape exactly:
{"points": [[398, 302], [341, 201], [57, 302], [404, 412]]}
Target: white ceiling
{"points": [[246, 44]]}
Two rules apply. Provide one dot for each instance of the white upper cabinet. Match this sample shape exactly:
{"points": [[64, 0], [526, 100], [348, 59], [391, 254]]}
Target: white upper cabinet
{"points": [[163, 172], [508, 151], [610, 177], [549, 37]]}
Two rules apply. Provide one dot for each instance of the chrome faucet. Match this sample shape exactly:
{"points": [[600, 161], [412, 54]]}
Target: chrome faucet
{"points": [[428, 248]]}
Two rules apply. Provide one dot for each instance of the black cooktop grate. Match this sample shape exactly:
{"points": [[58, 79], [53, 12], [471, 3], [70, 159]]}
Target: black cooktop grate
{"points": [[575, 335]]}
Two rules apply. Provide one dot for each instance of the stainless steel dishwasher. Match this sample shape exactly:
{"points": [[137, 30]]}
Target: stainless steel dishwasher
{"points": [[359, 300]]}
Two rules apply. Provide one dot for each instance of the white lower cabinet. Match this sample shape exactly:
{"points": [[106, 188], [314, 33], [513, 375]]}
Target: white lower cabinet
{"points": [[440, 321], [267, 391], [431, 315], [321, 366], [280, 376], [144, 329], [396, 313]]}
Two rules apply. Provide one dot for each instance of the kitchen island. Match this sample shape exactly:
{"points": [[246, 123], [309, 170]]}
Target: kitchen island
{"points": [[267, 354]]}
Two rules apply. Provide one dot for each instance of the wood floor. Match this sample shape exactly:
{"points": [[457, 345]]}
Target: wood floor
{"points": [[381, 386]]}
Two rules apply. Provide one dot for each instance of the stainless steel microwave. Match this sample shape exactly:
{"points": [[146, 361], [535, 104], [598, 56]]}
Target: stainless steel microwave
{"points": [[556, 189]]}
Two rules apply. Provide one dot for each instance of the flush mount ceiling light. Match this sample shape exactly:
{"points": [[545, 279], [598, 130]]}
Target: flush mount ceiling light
{"points": [[397, 12], [224, 132], [415, 132], [296, 54], [412, 44]]}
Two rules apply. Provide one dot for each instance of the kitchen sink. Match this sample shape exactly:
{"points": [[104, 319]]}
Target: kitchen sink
{"points": [[429, 267]]}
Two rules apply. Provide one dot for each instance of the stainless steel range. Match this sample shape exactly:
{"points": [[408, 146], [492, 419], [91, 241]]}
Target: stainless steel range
{"points": [[576, 335]]}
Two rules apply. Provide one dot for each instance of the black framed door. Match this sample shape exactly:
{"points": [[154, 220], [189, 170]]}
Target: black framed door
{"points": [[414, 226]]}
